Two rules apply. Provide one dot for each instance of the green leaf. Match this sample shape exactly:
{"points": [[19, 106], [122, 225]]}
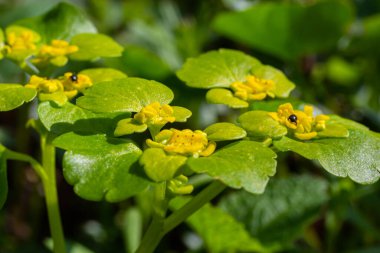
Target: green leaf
{"points": [[1, 43], [181, 114], [159, 166], [260, 124], [219, 230], [58, 97], [99, 167], [246, 164], [98, 75], [217, 69], [281, 213], [15, 95], [357, 156], [282, 85], [226, 97], [224, 132], [124, 95], [61, 22], [93, 46], [3, 177], [129, 126], [287, 30], [69, 117]]}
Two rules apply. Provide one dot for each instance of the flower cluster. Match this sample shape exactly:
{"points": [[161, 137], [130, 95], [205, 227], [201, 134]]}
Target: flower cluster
{"points": [[70, 84], [55, 53], [253, 88], [21, 43], [184, 142], [155, 114], [304, 125]]}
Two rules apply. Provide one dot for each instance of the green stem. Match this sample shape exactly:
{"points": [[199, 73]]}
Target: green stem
{"points": [[155, 233], [50, 188], [193, 205], [12, 155]]}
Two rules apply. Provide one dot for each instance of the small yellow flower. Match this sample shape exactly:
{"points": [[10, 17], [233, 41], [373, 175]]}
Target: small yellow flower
{"points": [[21, 44], [56, 53], [302, 123], [74, 83], [44, 85], [184, 142], [253, 88], [155, 114]]}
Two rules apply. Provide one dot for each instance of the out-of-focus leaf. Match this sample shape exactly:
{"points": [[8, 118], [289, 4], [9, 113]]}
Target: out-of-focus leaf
{"points": [[98, 75], [281, 213], [217, 69], [226, 97], [181, 114], [287, 30], [61, 22], [99, 167], [224, 132], [342, 72], [124, 95], [357, 156], [15, 95], [92, 46], [219, 230], [243, 164]]}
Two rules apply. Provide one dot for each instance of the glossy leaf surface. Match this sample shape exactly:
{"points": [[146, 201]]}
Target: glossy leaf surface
{"points": [[224, 132], [98, 75], [14, 95]]}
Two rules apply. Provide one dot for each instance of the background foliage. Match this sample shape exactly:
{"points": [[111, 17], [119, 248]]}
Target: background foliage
{"points": [[328, 48]]}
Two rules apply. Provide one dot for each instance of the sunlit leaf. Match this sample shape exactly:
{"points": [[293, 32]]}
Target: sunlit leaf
{"points": [[99, 167], [98, 75], [124, 95], [243, 164], [226, 97], [14, 95], [224, 131]]}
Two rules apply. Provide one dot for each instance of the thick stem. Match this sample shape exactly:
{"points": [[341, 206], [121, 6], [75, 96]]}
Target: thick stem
{"points": [[50, 189], [193, 205], [155, 230]]}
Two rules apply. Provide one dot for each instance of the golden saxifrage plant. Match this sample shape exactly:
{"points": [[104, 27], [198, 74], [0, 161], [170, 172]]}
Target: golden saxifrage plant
{"points": [[95, 114]]}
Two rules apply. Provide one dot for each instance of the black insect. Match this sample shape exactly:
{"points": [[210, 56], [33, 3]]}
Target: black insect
{"points": [[74, 77], [293, 118]]}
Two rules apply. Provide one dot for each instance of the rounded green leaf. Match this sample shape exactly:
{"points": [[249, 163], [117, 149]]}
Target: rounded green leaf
{"points": [[61, 22], [224, 132], [243, 164], [99, 167], [217, 69], [282, 85], [129, 126], [92, 46], [15, 95], [69, 117], [357, 156], [181, 114], [98, 75], [159, 166], [124, 95], [3, 177], [281, 213], [260, 124], [224, 96], [59, 97]]}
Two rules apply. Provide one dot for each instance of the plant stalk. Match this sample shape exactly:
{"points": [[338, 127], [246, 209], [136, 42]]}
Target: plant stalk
{"points": [[51, 196]]}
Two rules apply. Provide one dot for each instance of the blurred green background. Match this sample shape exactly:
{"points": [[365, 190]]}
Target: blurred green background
{"points": [[329, 48]]}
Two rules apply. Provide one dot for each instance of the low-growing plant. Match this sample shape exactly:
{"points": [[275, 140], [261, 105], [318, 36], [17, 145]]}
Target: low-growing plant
{"points": [[120, 141]]}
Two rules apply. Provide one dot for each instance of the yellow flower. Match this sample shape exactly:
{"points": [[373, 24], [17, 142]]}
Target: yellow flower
{"points": [[44, 85], [302, 123], [21, 43], [56, 53], [184, 142], [155, 114], [253, 88], [74, 83]]}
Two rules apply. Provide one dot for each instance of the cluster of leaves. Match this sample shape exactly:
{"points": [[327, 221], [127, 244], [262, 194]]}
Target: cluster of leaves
{"points": [[102, 163]]}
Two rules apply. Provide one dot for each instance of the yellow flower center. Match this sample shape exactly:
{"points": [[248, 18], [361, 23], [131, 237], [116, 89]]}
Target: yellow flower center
{"points": [[155, 114], [184, 142], [21, 43], [303, 124], [74, 83], [58, 48], [44, 85], [253, 88]]}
